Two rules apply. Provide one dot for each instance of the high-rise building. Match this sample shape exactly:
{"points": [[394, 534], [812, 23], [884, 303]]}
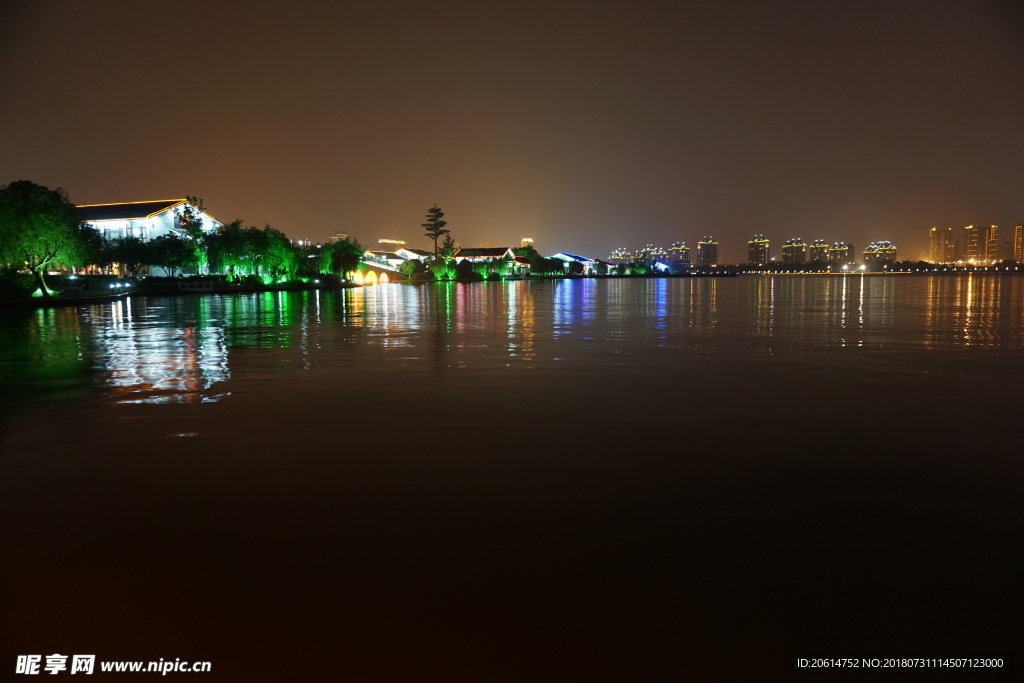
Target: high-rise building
{"points": [[819, 251], [653, 254], [679, 254], [1018, 243], [707, 251], [622, 255], [757, 251], [841, 253], [794, 251], [942, 242], [880, 253], [526, 242], [981, 243], [886, 252]]}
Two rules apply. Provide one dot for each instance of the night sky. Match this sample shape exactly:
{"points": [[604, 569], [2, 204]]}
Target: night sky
{"points": [[585, 125]]}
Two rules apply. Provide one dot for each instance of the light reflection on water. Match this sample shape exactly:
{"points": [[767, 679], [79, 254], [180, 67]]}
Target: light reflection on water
{"points": [[201, 348]]}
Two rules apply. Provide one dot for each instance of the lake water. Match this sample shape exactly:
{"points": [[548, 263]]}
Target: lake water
{"points": [[663, 479]]}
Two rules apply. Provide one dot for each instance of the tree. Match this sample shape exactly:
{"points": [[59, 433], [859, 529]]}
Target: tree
{"points": [[448, 249], [435, 225], [190, 221], [171, 252], [412, 268], [189, 217], [131, 252], [39, 227], [341, 257], [279, 254]]}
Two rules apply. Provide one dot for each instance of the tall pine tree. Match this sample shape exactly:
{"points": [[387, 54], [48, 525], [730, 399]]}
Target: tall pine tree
{"points": [[435, 225]]}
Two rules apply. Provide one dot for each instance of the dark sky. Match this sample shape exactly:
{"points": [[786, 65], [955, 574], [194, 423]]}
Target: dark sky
{"points": [[586, 125]]}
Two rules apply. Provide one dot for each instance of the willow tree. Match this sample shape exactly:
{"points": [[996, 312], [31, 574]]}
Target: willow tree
{"points": [[39, 228], [341, 257]]}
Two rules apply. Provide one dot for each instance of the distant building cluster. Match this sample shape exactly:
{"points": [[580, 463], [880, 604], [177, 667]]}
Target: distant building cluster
{"points": [[795, 252], [974, 245]]}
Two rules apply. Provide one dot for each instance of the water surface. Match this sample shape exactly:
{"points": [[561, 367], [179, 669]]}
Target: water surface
{"points": [[609, 479]]}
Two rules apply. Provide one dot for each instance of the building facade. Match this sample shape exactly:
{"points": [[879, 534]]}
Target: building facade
{"points": [[794, 251], [841, 254], [981, 243], [880, 254], [819, 251], [145, 220], [679, 254], [707, 251], [943, 245], [758, 251]]}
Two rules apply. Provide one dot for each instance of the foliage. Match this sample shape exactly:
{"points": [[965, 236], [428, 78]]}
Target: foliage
{"points": [[39, 227], [341, 256], [412, 268], [465, 270], [435, 226], [190, 222], [15, 283], [96, 250], [131, 252], [280, 256], [171, 252], [548, 266], [442, 269], [448, 249]]}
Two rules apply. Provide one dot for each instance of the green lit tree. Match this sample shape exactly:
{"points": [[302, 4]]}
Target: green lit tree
{"points": [[341, 257], [189, 218], [435, 225], [40, 228], [447, 249], [280, 255], [412, 268]]}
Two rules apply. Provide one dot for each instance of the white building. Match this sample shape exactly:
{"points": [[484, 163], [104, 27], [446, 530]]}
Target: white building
{"points": [[145, 220], [590, 265]]}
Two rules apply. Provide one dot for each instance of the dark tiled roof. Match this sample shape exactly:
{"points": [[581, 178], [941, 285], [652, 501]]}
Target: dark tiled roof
{"points": [[419, 252], [471, 252], [126, 211]]}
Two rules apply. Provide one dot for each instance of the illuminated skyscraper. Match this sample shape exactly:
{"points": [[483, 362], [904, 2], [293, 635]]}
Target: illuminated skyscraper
{"points": [[794, 251], [886, 252], [707, 251], [841, 253], [819, 251], [757, 251], [679, 254], [621, 255], [943, 245], [981, 243], [880, 253], [1018, 243]]}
